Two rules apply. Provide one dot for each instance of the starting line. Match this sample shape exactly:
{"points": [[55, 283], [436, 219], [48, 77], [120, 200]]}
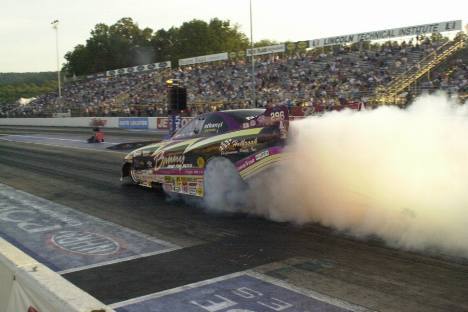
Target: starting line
{"points": [[67, 240]]}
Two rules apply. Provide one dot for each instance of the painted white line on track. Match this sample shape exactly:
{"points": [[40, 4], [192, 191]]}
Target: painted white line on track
{"points": [[170, 247], [59, 139], [65, 146], [176, 290], [117, 260]]}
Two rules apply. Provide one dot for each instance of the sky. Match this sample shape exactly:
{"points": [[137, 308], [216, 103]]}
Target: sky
{"points": [[27, 39]]}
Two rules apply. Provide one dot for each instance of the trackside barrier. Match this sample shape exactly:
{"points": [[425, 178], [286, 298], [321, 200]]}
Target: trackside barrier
{"points": [[155, 123], [105, 122], [28, 286]]}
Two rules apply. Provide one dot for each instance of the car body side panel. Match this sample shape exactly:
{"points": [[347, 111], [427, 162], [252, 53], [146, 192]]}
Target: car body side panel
{"points": [[182, 170], [264, 159]]}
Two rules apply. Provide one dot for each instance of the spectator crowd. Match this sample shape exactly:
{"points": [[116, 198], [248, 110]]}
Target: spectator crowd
{"points": [[327, 77]]}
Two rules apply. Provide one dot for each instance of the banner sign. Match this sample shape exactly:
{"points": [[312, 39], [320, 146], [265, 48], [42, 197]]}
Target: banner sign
{"points": [[98, 122], [277, 48], [204, 59], [95, 76], [133, 122], [139, 68], [388, 33], [162, 123]]}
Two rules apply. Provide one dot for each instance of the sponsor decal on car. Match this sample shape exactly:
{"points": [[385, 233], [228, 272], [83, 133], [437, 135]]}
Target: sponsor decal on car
{"points": [[262, 155], [213, 125], [170, 161], [232, 146], [200, 188], [184, 185], [200, 162], [192, 188], [251, 160], [246, 163]]}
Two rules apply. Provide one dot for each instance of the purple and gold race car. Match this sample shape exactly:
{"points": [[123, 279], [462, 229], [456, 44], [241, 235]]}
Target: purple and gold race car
{"points": [[216, 147]]}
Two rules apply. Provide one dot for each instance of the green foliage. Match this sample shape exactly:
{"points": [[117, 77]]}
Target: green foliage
{"points": [[264, 43], [9, 93], [16, 85], [18, 78], [120, 45], [124, 44]]}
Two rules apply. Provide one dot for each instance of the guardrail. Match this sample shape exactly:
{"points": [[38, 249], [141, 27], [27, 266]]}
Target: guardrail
{"points": [[27, 285], [105, 122]]}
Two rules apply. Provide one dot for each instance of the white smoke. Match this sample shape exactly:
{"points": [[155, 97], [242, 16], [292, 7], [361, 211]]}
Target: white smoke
{"points": [[401, 175]]}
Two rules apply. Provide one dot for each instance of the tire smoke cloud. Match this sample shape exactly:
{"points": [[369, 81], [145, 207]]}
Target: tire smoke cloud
{"points": [[398, 174]]}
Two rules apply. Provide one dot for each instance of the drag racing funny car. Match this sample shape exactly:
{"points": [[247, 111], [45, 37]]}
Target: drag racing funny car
{"points": [[211, 148]]}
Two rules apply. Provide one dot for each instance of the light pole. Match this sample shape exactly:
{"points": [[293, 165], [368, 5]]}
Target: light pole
{"points": [[55, 26], [252, 59]]}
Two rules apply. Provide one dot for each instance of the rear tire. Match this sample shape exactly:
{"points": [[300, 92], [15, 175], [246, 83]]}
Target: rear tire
{"points": [[224, 188]]}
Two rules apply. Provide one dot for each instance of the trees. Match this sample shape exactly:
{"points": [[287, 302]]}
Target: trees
{"points": [[124, 44], [16, 85], [78, 61], [264, 43], [18, 78]]}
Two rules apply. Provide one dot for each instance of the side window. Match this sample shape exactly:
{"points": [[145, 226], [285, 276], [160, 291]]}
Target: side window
{"points": [[192, 129], [214, 124]]}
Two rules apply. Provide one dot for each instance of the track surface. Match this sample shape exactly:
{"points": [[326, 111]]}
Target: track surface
{"points": [[312, 257]]}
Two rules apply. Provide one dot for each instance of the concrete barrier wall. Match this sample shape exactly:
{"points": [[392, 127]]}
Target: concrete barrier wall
{"points": [[111, 122], [27, 285], [160, 123]]}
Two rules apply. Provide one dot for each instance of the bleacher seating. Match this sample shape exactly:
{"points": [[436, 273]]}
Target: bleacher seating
{"points": [[327, 78]]}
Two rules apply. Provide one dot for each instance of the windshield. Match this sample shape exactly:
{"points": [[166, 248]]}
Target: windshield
{"points": [[190, 130]]}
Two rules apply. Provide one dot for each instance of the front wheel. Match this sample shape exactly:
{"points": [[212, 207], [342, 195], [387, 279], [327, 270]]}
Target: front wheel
{"points": [[224, 188], [128, 176]]}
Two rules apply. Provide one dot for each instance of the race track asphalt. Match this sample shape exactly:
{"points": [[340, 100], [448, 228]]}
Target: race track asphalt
{"points": [[365, 273]]}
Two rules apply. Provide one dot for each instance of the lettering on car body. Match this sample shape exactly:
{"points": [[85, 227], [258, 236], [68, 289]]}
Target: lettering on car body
{"points": [[213, 125], [262, 155], [163, 161], [232, 146]]}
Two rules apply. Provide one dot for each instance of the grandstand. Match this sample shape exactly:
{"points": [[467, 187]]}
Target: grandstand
{"points": [[321, 78]]}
